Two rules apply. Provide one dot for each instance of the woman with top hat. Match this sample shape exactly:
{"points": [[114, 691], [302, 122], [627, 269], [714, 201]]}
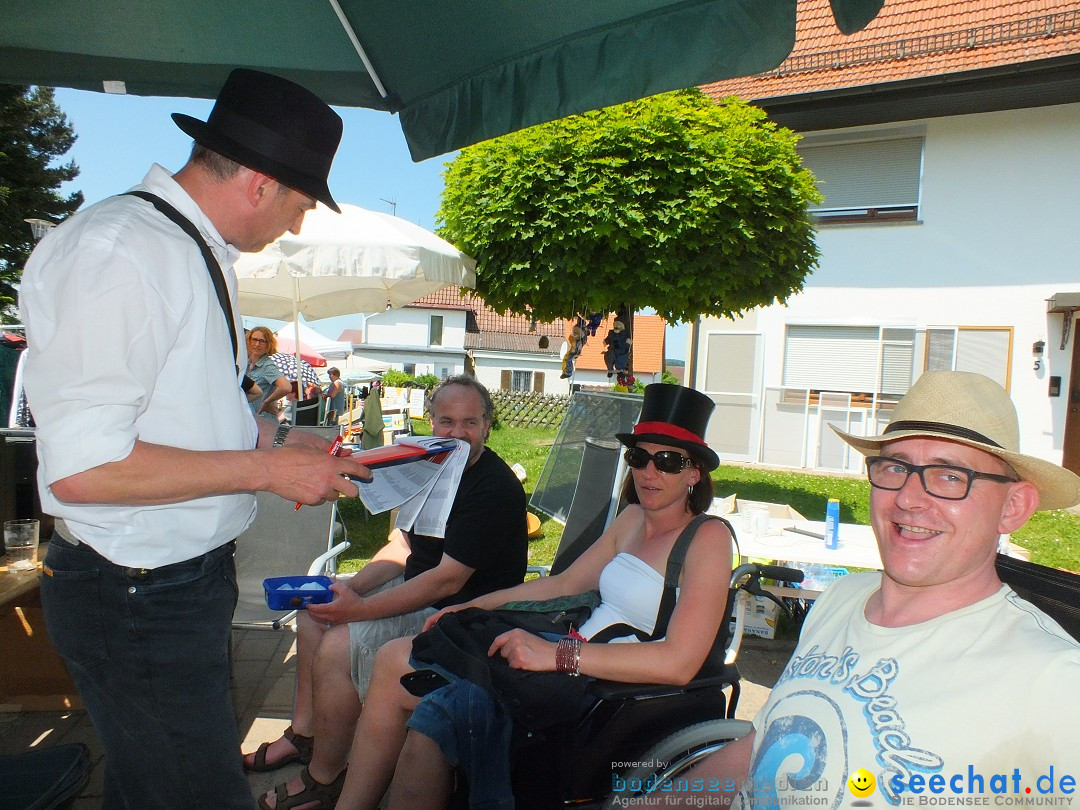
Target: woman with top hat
{"points": [[667, 488]]}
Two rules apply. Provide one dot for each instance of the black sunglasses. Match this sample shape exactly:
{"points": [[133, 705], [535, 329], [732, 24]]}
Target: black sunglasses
{"points": [[665, 461]]}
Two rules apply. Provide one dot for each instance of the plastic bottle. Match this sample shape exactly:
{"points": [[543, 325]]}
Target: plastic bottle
{"points": [[832, 524]]}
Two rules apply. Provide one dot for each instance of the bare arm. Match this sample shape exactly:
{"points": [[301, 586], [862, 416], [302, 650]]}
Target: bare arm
{"points": [[281, 387], [156, 474], [674, 659], [388, 562], [417, 593], [582, 575]]}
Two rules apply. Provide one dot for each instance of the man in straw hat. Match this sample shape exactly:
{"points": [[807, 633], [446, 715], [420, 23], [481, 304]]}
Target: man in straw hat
{"points": [[932, 679], [147, 449]]}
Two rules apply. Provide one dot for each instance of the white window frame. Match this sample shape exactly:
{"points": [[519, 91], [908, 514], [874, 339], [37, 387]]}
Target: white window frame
{"points": [[971, 350], [866, 178], [526, 374], [873, 360], [433, 338]]}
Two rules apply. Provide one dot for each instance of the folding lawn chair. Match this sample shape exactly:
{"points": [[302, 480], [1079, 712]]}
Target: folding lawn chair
{"points": [[284, 541]]}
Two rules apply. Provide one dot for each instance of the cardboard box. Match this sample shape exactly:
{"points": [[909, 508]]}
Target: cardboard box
{"points": [[32, 676], [761, 617]]}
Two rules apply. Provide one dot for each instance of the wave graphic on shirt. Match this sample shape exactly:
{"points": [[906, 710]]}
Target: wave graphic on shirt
{"points": [[793, 758]]}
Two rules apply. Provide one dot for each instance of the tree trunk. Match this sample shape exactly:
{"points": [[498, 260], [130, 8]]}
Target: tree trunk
{"points": [[626, 315]]}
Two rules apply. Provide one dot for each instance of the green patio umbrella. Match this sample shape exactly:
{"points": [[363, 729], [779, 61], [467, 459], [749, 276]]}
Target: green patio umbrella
{"points": [[455, 72]]}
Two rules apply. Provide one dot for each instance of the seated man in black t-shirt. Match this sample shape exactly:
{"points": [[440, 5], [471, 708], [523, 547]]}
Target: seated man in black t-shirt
{"points": [[485, 549]]}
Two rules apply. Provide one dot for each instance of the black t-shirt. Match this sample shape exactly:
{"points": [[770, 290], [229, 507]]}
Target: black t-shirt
{"points": [[486, 531]]}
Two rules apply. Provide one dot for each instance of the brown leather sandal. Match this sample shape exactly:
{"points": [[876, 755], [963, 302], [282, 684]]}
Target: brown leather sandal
{"points": [[303, 745], [314, 791]]}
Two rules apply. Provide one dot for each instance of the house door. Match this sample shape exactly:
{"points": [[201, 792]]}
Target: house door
{"points": [[1070, 459]]}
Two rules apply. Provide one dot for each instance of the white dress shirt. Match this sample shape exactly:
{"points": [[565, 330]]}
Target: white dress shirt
{"points": [[127, 340]]}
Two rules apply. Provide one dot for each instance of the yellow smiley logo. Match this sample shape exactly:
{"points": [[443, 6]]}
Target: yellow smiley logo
{"points": [[862, 783]]}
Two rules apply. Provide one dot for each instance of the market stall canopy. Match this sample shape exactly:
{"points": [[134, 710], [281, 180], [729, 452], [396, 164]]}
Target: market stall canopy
{"points": [[307, 354], [347, 263], [455, 73], [321, 345]]}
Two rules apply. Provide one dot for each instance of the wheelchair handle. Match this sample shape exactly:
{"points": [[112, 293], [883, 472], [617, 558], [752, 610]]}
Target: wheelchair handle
{"points": [[780, 573], [753, 572]]}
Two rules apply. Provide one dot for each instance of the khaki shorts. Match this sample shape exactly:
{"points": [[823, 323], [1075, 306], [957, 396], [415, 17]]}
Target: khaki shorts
{"points": [[365, 638]]}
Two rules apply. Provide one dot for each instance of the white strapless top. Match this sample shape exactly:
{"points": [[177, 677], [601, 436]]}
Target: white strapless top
{"points": [[630, 592]]}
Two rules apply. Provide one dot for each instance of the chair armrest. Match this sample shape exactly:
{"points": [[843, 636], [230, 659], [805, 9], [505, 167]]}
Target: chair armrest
{"points": [[615, 690], [318, 565], [539, 570]]}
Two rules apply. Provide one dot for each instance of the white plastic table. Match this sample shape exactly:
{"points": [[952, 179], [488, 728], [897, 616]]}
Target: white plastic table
{"points": [[858, 546]]}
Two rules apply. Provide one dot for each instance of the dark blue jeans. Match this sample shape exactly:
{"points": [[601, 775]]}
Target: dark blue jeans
{"points": [[473, 731], [149, 654]]}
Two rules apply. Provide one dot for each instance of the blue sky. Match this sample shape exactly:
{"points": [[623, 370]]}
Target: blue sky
{"points": [[121, 136]]}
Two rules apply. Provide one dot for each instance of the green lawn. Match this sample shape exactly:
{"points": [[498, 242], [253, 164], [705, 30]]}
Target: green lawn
{"points": [[1052, 537]]}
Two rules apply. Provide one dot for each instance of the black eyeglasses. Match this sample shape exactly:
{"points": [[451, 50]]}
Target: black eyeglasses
{"points": [[666, 461], [940, 480]]}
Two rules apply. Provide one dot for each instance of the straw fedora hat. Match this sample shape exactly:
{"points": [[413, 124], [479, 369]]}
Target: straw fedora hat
{"points": [[971, 409], [273, 126], [675, 416]]}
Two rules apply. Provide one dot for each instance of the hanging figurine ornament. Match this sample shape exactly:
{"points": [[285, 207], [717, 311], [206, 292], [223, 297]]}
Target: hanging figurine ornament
{"points": [[594, 323], [617, 354], [575, 343]]}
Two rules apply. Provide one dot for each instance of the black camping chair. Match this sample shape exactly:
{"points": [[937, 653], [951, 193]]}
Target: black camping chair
{"points": [[1053, 591], [46, 779]]}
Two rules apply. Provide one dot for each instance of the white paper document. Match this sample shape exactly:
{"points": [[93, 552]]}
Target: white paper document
{"points": [[424, 489]]}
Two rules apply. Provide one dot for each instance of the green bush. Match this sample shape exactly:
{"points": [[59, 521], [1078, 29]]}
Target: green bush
{"points": [[397, 379]]}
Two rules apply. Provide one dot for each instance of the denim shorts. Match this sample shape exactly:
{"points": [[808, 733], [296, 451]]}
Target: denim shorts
{"points": [[473, 730]]}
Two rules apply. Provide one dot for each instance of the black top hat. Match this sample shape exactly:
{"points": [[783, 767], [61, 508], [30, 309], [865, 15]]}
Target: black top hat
{"points": [[676, 416], [273, 126]]}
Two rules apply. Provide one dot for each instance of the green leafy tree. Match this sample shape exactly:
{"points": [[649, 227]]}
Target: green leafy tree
{"points": [[672, 202], [33, 134]]}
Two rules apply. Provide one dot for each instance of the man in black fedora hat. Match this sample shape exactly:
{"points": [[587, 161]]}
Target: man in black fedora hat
{"points": [[148, 453]]}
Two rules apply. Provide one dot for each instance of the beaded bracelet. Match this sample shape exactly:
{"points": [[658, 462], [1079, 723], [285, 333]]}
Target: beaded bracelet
{"points": [[568, 655]]}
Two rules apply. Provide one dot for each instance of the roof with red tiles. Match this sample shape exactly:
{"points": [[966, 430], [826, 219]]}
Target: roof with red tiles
{"points": [[353, 336], [913, 39], [495, 331]]}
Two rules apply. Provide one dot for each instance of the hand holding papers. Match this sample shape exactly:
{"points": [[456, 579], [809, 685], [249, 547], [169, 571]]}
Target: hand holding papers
{"points": [[419, 474]]}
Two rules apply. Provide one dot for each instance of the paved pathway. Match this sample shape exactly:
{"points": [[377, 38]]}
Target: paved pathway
{"points": [[263, 692]]}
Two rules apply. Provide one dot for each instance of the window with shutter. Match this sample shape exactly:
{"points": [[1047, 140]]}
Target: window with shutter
{"points": [[871, 361], [866, 181], [538, 382], [504, 380]]}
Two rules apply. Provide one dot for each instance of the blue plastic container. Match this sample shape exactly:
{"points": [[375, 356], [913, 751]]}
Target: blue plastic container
{"points": [[291, 597], [832, 524]]}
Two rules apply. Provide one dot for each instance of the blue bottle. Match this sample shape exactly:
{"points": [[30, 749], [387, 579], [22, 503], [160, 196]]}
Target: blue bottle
{"points": [[832, 524]]}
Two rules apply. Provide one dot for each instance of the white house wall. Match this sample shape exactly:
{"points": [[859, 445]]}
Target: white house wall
{"points": [[491, 365], [411, 327], [998, 234]]}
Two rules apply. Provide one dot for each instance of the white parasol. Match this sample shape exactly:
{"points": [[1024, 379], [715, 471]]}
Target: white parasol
{"points": [[352, 262]]}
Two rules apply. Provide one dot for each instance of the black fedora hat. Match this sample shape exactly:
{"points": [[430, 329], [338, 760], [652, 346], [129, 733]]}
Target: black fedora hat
{"points": [[676, 416], [273, 126]]}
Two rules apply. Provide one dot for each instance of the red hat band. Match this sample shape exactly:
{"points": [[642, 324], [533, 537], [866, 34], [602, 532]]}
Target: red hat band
{"points": [[667, 429]]}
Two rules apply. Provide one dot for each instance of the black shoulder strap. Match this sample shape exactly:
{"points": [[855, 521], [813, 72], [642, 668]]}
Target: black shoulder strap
{"points": [[671, 577], [212, 266]]}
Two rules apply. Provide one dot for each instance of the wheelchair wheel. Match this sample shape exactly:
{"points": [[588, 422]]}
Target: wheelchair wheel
{"points": [[673, 755]]}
